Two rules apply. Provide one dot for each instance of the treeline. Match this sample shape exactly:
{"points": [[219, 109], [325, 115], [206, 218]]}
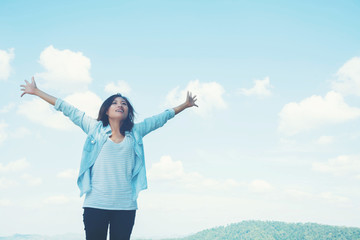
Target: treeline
{"points": [[270, 230]]}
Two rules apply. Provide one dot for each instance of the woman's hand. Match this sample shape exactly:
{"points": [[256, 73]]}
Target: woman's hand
{"points": [[190, 100], [29, 88]]}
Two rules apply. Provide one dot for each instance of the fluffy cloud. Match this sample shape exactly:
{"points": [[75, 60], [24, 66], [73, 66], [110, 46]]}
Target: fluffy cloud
{"points": [[315, 111], [167, 169], [87, 102], [5, 58], [261, 88], [66, 71], [61, 199], [342, 165], [31, 180], [57, 200], [3, 134], [68, 174], [120, 87], [7, 108], [17, 133], [5, 203], [41, 112], [209, 95], [15, 166], [20, 132], [324, 140], [299, 194], [6, 183], [348, 78], [260, 186], [327, 196]]}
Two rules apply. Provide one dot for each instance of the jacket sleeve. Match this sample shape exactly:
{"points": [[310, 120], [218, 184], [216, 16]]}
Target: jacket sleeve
{"points": [[154, 122], [78, 117]]}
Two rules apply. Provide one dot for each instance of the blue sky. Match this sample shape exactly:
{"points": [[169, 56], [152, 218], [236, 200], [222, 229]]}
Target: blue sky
{"points": [[275, 136]]}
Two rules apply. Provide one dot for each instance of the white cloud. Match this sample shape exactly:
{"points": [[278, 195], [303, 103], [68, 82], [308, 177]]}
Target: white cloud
{"points": [[43, 113], [167, 169], [6, 183], [315, 111], [348, 78], [299, 194], [17, 133], [342, 165], [31, 180], [328, 196], [66, 71], [3, 133], [261, 88], [87, 102], [5, 203], [61, 199], [68, 174], [7, 108], [5, 58], [325, 140], [332, 197], [260, 186], [57, 200], [15, 166], [209, 95], [120, 87], [20, 132]]}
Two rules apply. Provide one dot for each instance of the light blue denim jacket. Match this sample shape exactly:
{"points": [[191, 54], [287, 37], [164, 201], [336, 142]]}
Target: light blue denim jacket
{"points": [[96, 137]]}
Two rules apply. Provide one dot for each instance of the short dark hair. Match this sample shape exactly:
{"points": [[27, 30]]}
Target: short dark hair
{"points": [[129, 121]]}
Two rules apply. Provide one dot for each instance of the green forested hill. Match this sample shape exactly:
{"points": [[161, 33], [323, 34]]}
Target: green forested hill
{"points": [[247, 230], [259, 230]]}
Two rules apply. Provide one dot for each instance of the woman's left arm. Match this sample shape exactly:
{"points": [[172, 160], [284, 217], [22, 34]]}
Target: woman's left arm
{"points": [[190, 102], [154, 122]]}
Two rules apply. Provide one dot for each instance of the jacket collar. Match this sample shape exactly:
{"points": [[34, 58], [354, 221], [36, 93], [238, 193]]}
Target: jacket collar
{"points": [[108, 130]]}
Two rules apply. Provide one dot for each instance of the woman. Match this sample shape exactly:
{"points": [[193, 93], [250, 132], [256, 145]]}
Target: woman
{"points": [[112, 170]]}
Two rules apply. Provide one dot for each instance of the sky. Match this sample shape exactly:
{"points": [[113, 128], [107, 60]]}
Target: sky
{"points": [[275, 136]]}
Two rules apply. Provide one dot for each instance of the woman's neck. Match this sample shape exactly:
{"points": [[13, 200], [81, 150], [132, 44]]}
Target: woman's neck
{"points": [[115, 128]]}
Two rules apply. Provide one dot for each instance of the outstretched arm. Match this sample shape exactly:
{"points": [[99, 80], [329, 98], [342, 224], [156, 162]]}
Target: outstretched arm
{"points": [[154, 122], [189, 102], [78, 117], [31, 88]]}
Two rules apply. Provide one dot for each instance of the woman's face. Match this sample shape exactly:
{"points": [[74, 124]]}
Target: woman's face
{"points": [[118, 110]]}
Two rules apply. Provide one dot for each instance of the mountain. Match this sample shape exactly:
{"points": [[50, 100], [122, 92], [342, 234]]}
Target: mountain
{"points": [[246, 230], [69, 236], [270, 230]]}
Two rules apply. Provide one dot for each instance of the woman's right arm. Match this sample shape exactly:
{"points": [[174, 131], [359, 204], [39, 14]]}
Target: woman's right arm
{"points": [[78, 117], [31, 88]]}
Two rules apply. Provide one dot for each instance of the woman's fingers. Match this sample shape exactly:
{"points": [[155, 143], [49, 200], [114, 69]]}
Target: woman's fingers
{"points": [[191, 99], [27, 88]]}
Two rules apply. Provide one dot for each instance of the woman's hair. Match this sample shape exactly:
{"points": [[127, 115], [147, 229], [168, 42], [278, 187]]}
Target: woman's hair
{"points": [[129, 121]]}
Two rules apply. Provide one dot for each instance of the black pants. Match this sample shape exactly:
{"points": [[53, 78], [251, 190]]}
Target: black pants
{"points": [[96, 222]]}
